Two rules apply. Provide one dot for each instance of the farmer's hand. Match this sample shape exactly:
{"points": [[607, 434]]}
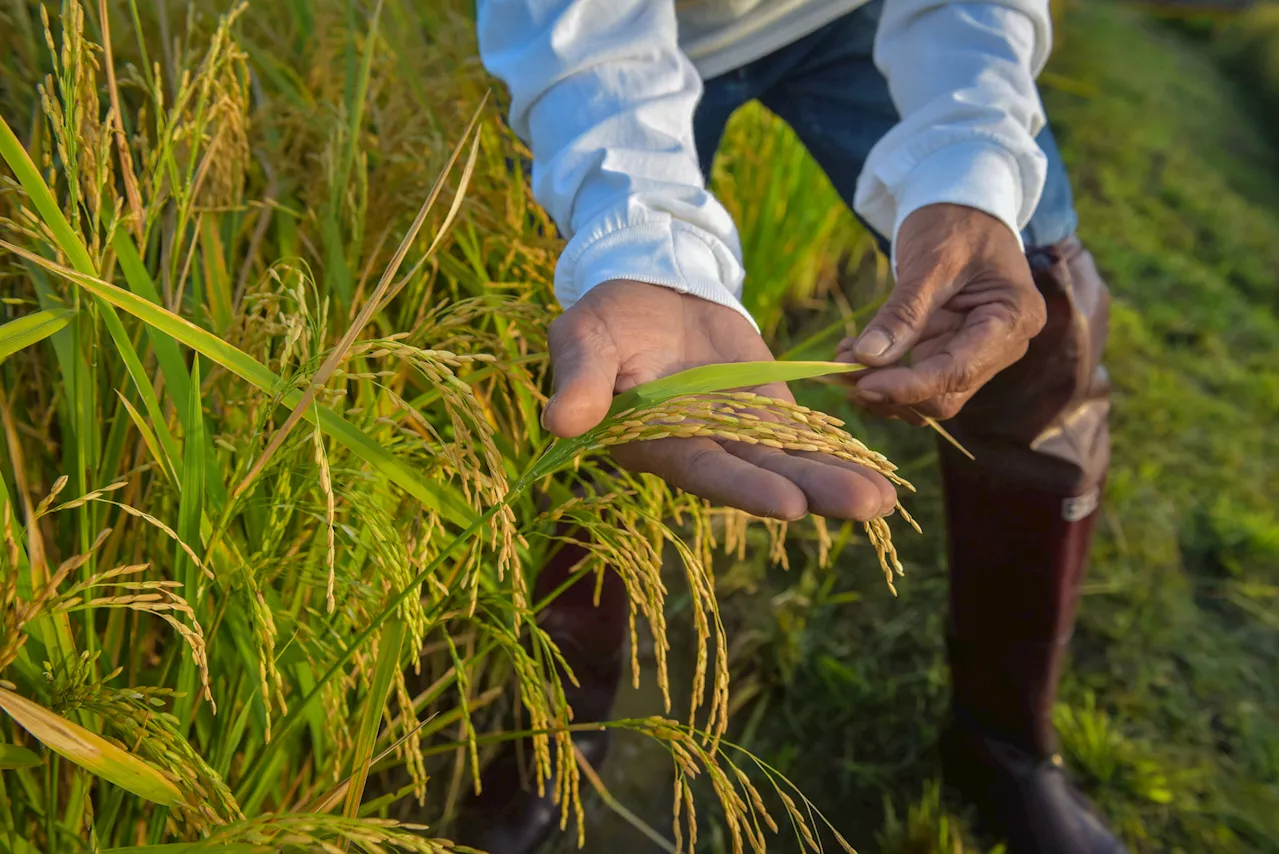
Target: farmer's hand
{"points": [[965, 307], [623, 333]]}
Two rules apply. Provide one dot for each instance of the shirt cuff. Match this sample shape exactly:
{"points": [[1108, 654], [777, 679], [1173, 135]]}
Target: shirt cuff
{"points": [[664, 251], [977, 174]]}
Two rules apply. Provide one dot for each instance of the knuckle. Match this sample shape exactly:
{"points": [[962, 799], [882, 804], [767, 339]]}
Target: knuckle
{"points": [[578, 333], [910, 311], [1033, 312], [964, 375], [571, 325], [949, 407]]}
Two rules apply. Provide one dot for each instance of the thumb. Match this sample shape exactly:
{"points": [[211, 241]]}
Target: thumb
{"points": [[899, 323], [584, 366]]}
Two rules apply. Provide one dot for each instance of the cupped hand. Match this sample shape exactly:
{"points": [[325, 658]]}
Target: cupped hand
{"points": [[623, 333], [964, 307]]}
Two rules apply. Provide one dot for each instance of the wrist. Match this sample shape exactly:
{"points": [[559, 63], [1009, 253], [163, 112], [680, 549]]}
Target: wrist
{"points": [[664, 251], [974, 174]]}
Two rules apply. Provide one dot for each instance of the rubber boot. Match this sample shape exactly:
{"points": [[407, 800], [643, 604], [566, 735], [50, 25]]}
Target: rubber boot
{"points": [[1016, 566], [1019, 520], [509, 816]]}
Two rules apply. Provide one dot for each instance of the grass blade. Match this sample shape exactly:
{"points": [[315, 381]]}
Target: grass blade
{"points": [[13, 757], [438, 497], [722, 377], [138, 374], [90, 751], [161, 456], [169, 357], [388, 663], [194, 848], [31, 329], [190, 508], [47, 206]]}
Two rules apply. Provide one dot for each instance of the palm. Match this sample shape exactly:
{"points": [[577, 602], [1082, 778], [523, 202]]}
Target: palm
{"points": [[624, 333]]}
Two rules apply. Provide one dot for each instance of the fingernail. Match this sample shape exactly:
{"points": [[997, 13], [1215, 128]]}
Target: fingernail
{"points": [[875, 343], [870, 396], [542, 418]]}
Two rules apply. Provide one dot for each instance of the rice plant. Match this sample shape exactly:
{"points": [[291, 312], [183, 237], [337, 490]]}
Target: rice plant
{"points": [[273, 481]]}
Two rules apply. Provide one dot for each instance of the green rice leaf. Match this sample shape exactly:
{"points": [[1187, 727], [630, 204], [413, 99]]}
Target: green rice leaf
{"points": [[13, 757], [388, 663], [172, 366], [194, 848], [90, 751], [723, 377], [31, 329], [168, 356], [149, 439], [434, 496], [140, 379], [190, 509], [47, 206], [190, 504]]}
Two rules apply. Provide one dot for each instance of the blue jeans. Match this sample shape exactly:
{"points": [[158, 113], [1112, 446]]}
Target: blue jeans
{"points": [[828, 89]]}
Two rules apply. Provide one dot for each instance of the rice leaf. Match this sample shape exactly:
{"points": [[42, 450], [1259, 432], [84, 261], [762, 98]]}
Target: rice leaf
{"points": [[90, 751], [47, 206], [435, 496], [31, 329], [722, 377], [166, 349], [13, 757], [140, 379], [190, 504], [388, 663], [194, 848], [190, 508], [172, 366], [163, 457], [217, 281]]}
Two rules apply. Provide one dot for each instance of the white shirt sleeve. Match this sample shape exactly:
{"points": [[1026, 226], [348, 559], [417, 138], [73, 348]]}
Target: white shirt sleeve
{"points": [[604, 97], [962, 75]]}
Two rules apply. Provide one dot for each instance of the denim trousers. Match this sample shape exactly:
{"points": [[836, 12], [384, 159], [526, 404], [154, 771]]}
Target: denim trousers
{"points": [[828, 89]]}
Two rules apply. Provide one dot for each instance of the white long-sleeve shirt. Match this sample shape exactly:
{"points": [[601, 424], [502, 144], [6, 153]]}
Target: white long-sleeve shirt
{"points": [[604, 93]]}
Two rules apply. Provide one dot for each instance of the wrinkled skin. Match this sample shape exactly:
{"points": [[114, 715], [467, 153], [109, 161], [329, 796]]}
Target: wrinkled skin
{"points": [[964, 306]]}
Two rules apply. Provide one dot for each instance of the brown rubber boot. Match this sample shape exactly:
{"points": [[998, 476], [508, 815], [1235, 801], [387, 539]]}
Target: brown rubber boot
{"points": [[1016, 564], [508, 816], [1019, 521]]}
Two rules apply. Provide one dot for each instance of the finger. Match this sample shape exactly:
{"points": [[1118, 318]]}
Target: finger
{"points": [[943, 407], [889, 411], [584, 364], [704, 468], [901, 320], [833, 491], [888, 493], [985, 346]]}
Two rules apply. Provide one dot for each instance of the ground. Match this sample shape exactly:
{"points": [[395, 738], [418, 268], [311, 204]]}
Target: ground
{"points": [[1168, 710]]}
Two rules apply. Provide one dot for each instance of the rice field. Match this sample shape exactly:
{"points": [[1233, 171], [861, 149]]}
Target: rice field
{"points": [[274, 484]]}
